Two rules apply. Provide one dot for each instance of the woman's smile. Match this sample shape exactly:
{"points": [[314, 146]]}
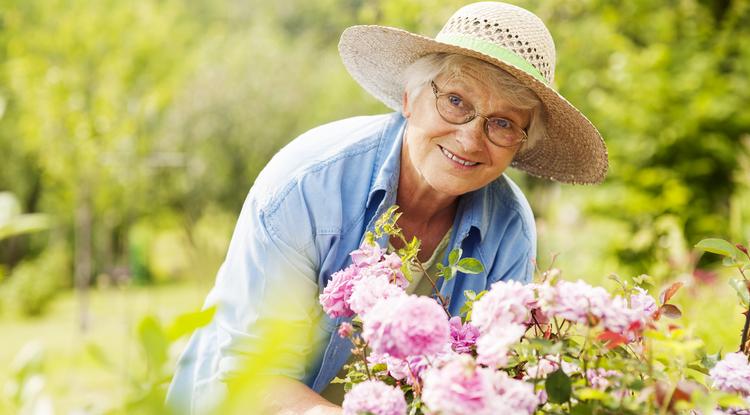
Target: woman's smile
{"points": [[461, 162]]}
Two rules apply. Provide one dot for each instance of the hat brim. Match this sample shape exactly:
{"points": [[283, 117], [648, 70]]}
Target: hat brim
{"points": [[572, 152]]}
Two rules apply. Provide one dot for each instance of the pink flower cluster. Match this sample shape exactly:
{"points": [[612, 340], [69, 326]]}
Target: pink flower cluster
{"points": [[460, 386], [547, 365], [463, 336], [367, 291], [373, 275], [500, 317], [411, 368], [643, 303], [601, 378], [575, 301], [504, 303], [517, 397], [493, 346], [732, 374], [423, 348], [405, 326], [374, 397], [335, 297], [581, 303]]}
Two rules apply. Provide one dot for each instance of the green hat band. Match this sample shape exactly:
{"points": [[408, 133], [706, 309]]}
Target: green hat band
{"points": [[491, 49]]}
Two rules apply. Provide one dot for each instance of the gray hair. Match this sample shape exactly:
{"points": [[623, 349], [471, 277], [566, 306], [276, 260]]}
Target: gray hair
{"points": [[429, 67]]}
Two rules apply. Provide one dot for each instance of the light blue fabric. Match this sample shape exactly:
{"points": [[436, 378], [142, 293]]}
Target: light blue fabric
{"points": [[309, 207]]}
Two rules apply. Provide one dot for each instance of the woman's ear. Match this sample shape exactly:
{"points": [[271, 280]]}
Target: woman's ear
{"points": [[405, 106]]}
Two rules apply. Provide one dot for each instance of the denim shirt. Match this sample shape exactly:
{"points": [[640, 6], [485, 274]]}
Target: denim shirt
{"points": [[307, 210]]}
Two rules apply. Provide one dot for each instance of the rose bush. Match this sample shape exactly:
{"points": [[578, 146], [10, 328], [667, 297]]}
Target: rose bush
{"points": [[553, 346]]}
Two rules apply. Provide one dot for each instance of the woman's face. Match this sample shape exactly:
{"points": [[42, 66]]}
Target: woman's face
{"points": [[457, 159]]}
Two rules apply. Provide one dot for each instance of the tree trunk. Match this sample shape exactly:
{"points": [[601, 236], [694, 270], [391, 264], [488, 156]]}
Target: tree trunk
{"points": [[83, 260]]}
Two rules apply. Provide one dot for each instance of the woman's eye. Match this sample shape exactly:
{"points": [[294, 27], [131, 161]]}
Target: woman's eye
{"points": [[501, 123], [455, 100]]}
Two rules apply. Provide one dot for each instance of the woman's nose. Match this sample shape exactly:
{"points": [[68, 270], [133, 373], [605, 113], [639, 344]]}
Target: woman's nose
{"points": [[470, 136]]}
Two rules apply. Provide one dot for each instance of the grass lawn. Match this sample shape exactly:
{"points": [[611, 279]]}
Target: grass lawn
{"points": [[73, 378]]}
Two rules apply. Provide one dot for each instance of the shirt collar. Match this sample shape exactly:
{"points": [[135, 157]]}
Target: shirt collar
{"points": [[474, 212], [388, 163]]}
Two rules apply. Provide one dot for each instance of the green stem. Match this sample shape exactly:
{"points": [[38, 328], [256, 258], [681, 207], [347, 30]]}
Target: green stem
{"points": [[442, 299], [557, 326], [364, 358], [743, 341]]}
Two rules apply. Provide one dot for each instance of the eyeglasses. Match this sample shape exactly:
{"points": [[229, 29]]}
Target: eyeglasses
{"points": [[455, 110]]}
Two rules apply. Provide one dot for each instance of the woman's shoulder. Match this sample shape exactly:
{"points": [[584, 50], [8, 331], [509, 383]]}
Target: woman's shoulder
{"points": [[505, 192], [322, 147], [327, 170]]}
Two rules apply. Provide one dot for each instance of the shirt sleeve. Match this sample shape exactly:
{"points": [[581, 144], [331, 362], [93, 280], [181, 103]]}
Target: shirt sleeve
{"points": [[266, 294]]}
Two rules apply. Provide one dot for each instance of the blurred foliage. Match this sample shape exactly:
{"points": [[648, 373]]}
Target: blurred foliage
{"points": [[13, 222], [163, 250], [667, 84], [34, 283], [148, 386], [26, 392], [167, 108], [156, 116]]}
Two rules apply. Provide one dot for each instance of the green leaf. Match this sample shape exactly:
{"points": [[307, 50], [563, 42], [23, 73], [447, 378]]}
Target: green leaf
{"points": [[644, 279], [558, 387], [379, 367], [470, 266], [591, 394], [154, 343], [454, 256], [729, 261], [731, 400], [96, 352], [406, 270], [370, 238], [740, 287], [583, 408], [636, 385], [718, 246], [186, 323], [448, 273], [710, 360]]}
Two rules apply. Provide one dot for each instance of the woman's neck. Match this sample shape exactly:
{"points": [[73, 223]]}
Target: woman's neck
{"points": [[425, 213]]}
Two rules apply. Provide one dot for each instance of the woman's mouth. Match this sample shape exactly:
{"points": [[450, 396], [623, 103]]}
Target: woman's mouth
{"points": [[457, 159]]}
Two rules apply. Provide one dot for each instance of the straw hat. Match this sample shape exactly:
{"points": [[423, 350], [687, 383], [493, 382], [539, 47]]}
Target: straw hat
{"points": [[506, 36]]}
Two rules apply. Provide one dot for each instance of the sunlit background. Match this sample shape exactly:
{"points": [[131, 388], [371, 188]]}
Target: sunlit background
{"points": [[130, 133]]}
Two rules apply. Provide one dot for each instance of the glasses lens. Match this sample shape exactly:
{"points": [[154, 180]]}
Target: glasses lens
{"points": [[454, 109], [503, 132]]}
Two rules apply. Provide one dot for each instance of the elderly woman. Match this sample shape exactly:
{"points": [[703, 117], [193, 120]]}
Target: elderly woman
{"points": [[471, 102]]}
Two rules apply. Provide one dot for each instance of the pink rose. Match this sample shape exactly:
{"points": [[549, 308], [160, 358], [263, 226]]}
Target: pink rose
{"points": [[335, 296], [405, 326], [374, 397]]}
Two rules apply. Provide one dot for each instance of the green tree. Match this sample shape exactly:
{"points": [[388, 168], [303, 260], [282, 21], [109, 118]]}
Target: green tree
{"points": [[87, 85]]}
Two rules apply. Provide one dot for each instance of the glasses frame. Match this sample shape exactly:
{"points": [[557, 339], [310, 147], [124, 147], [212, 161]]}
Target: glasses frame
{"points": [[475, 114]]}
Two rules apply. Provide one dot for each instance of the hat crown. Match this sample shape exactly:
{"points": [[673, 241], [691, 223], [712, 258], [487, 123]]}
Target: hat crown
{"points": [[509, 27]]}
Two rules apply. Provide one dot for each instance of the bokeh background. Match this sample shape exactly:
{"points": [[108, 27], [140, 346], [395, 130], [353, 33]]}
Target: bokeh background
{"points": [[130, 133]]}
